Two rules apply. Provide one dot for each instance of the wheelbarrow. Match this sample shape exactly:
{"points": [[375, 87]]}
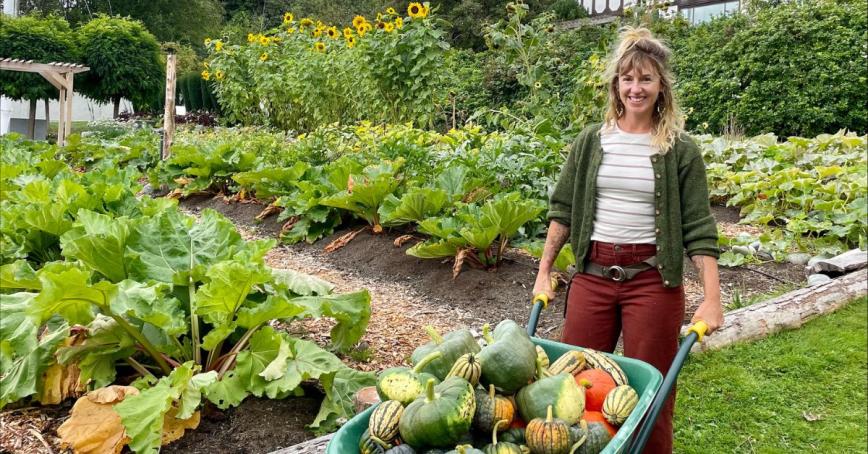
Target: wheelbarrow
{"points": [[644, 378]]}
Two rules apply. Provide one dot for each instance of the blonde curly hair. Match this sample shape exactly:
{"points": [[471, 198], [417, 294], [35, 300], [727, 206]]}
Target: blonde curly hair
{"points": [[638, 48]]}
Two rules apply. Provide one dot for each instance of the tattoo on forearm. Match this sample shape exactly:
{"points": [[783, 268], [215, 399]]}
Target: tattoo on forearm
{"points": [[699, 262], [555, 240]]}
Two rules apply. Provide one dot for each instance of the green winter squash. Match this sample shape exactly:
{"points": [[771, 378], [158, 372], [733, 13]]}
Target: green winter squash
{"points": [[452, 346], [402, 449], [597, 437], [619, 403], [465, 449], [383, 423], [500, 447], [468, 367], [578, 435], [559, 392], [490, 409], [404, 384], [440, 416], [549, 435], [513, 435], [598, 360], [509, 359]]}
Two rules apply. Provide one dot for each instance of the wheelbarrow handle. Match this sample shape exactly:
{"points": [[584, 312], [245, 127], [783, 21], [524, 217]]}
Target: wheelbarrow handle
{"points": [[540, 302], [694, 334]]}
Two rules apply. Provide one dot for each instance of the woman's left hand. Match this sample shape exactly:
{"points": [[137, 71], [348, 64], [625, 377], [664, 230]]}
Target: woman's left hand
{"points": [[711, 313]]}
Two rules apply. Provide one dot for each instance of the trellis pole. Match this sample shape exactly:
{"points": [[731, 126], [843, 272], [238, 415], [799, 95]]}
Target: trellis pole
{"points": [[169, 112]]}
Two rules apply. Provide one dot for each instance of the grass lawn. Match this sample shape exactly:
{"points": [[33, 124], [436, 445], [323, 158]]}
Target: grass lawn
{"points": [[797, 391]]}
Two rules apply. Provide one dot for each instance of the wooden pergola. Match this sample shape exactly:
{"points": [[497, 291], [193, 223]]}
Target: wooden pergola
{"points": [[61, 76]]}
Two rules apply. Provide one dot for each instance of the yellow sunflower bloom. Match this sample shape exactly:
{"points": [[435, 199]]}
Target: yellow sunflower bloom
{"points": [[218, 45], [264, 40], [333, 33], [425, 10], [379, 17], [366, 27], [399, 23], [391, 11], [319, 46], [317, 32], [290, 30], [416, 10], [218, 75], [351, 41], [348, 32], [206, 74], [251, 37], [305, 22], [263, 57], [358, 21], [207, 41], [319, 24], [380, 25], [389, 27], [288, 17]]}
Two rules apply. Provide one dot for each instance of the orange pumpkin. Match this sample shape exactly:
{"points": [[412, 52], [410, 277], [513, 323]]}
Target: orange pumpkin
{"points": [[518, 423], [597, 384], [597, 416]]}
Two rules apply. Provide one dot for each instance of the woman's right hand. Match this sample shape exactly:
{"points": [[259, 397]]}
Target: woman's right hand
{"points": [[543, 285]]}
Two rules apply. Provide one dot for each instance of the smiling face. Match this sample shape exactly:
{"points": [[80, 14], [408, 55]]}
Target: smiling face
{"points": [[638, 89]]}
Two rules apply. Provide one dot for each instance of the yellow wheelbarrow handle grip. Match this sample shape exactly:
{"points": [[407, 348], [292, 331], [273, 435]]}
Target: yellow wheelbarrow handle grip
{"points": [[699, 328], [542, 298]]}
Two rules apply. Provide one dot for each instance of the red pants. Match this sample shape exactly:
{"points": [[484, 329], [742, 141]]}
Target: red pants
{"points": [[649, 314]]}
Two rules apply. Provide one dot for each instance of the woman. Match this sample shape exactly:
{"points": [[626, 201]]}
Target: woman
{"points": [[632, 198]]}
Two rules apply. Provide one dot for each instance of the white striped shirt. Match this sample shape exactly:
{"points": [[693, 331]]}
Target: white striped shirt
{"points": [[625, 189]]}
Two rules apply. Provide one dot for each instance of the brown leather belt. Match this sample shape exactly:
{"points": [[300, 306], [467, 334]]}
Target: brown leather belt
{"points": [[619, 273]]}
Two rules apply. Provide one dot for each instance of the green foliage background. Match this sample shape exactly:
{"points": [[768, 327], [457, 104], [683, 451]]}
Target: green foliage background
{"points": [[41, 40]]}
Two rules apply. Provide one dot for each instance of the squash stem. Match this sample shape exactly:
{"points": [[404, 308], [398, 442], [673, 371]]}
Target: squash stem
{"points": [[434, 335], [486, 334], [426, 360], [429, 390], [496, 425], [578, 444], [549, 414]]}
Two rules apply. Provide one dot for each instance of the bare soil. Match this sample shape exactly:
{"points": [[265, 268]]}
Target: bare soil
{"points": [[407, 294]]}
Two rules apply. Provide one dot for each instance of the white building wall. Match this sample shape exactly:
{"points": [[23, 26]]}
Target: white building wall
{"points": [[83, 109]]}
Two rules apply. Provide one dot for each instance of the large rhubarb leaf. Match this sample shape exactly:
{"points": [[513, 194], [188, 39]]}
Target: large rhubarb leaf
{"points": [[143, 415], [172, 247], [273, 308], [340, 387], [105, 343], [510, 211], [99, 241], [433, 249], [414, 206], [19, 275], [151, 304], [270, 181], [367, 191], [229, 283], [351, 310], [70, 294], [300, 284], [24, 356]]}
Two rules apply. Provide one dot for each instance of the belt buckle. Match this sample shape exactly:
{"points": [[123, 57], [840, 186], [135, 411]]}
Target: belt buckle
{"points": [[615, 273]]}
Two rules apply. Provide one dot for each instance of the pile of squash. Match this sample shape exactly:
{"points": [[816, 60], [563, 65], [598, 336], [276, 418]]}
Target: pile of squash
{"points": [[503, 398]]}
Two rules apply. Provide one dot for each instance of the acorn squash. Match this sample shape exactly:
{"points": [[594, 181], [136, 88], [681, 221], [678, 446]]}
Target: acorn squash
{"points": [[500, 447], [452, 346], [548, 435], [404, 384], [560, 392], [596, 439], [468, 367], [490, 409], [509, 359], [441, 416]]}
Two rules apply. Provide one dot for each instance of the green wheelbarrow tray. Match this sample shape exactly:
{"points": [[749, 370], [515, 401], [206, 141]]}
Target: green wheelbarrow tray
{"points": [[643, 377]]}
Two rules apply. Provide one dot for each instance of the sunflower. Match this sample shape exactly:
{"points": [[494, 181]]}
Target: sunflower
{"points": [[416, 10], [264, 40], [319, 46], [305, 22], [251, 37], [399, 23], [207, 42], [389, 27], [351, 41], [380, 25], [348, 32], [218, 75], [317, 32], [263, 57], [391, 11], [218, 45], [206, 74], [358, 21], [288, 17], [363, 29], [332, 32], [290, 30]]}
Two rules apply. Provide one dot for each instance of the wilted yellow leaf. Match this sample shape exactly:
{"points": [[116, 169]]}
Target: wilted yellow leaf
{"points": [[60, 382], [93, 426], [173, 428]]}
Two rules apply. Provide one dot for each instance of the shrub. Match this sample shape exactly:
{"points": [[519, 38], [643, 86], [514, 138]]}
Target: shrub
{"points": [[42, 40]]}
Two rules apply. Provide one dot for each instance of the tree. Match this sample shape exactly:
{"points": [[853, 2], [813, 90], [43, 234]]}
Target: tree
{"points": [[124, 60], [42, 40]]}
